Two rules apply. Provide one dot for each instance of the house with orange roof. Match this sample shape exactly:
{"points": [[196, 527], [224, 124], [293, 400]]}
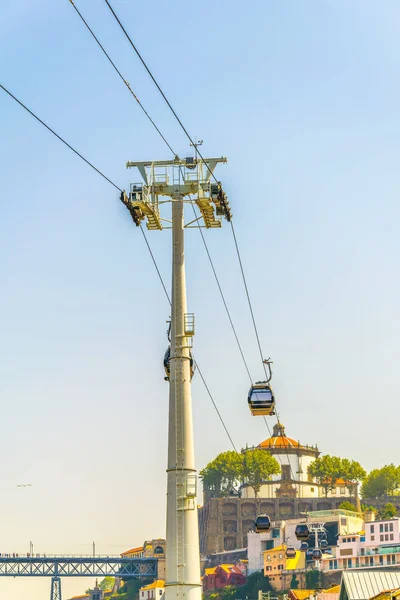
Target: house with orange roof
{"points": [[153, 591], [220, 576]]}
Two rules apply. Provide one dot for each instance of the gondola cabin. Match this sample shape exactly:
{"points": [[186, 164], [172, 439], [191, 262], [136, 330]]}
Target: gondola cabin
{"points": [[317, 554], [290, 552], [302, 532], [304, 546], [261, 399], [262, 524], [323, 544]]}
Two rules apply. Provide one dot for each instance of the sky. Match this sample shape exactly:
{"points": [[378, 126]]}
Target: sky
{"points": [[302, 98]]}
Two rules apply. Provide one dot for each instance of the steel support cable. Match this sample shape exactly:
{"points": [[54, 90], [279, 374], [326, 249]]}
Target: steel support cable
{"points": [[60, 138], [159, 88], [257, 338], [122, 77], [223, 298], [144, 235]]}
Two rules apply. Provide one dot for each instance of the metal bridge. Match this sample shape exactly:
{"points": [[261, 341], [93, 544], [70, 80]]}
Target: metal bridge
{"points": [[78, 566]]}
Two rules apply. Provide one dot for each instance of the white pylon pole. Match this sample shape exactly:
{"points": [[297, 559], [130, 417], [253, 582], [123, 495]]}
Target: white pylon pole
{"points": [[182, 551]]}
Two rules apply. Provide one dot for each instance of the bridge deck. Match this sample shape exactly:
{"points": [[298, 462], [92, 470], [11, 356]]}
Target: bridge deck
{"points": [[78, 566]]}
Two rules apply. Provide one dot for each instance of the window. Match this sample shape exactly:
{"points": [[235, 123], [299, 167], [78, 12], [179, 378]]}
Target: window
{"points": [[311, 489], [372, 538], [390, 526], [268, 557], [371, 561], [280, 567], [386, 537], [372, 529], [381, 527], [391, 536], [342, 489], [381, 537], [393, 559], [353, 539], [362, 551], [357, 562], [381, 560], [386, 527], [362, 538], [330, 566], [333, 491], [388, 560], [160, 592], [275, 532], [280, 556]]}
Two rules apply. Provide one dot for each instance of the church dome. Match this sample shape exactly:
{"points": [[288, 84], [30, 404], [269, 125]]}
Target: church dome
{"points": [[279, 441]]}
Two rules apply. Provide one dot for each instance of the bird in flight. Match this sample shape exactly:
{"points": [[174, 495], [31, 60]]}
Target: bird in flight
{"points": [[24, 485]]}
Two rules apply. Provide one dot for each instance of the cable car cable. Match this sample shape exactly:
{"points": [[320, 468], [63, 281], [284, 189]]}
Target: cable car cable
{"points": [[60, 138], [122, 77], [144, 235], [223, 298]]}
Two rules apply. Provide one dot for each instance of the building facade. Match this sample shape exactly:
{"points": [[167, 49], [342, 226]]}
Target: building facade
{"points": [[276, 562], [377, 545]]}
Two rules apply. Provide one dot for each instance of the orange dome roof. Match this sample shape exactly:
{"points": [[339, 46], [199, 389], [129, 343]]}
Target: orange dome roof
{"points": [[279, 442]]}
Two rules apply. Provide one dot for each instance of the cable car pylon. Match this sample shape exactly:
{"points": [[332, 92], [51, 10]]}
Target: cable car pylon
{"points": [[173, 182]]}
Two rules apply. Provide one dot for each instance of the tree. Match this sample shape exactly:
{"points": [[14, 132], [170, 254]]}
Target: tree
{"points": [[222, 473], [381, 482], [326, 471], [347, 506], [352, 473], [313, 579], [294, 583], [388, 511], [107, 583], [255, 582], [229, 592], [258, 466]]}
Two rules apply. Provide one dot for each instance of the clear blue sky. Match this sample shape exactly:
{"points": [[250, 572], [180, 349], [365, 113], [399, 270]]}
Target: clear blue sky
{"points": [[302, 97]]}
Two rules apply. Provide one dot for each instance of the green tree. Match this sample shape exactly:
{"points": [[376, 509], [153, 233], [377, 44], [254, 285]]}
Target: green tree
{"points": [[229, 592], [255, 582], [347, 506], [313, 579], [107, 583], [326, 470], [352, 473], [294, 583], [388, 511], [222, 473], [258, 466], [381, 482]]}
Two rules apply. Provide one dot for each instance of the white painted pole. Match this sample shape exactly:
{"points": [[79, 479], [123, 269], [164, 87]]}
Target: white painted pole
{"points": [[182, 551]]}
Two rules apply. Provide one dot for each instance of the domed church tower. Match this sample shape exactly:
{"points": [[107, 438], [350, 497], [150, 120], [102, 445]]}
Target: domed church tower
{"points": [[294, 459]]}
